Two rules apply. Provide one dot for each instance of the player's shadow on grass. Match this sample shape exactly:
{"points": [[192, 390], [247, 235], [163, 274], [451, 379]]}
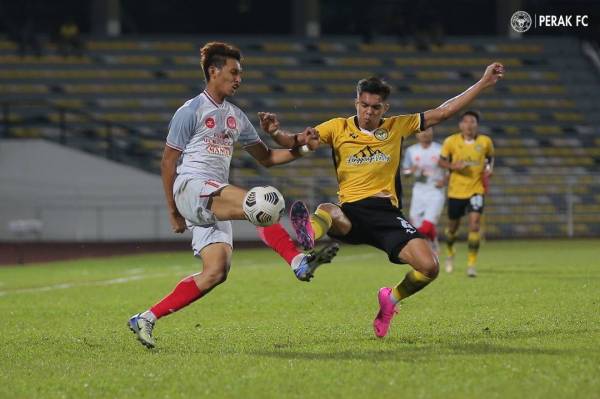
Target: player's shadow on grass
{"points": [[411, 354]]}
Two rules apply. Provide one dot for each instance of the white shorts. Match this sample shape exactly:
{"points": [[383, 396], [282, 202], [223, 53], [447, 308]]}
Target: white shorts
{"points": [[426, 204], [192, 199]]}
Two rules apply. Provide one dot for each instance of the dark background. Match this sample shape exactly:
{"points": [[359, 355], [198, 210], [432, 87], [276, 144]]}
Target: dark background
{"points": [[386, 17]]}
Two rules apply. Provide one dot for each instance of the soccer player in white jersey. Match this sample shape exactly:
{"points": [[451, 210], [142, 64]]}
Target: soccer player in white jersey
{"points": [[427, 201], [195, 172]]}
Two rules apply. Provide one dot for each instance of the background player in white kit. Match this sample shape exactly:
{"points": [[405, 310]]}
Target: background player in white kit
{"points": [[195, 173], [427, 201]]}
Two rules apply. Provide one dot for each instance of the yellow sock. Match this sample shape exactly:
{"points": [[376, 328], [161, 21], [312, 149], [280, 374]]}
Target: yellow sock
{"points": [[473, 248], [321, 222], [450, 239], [414, 281]]}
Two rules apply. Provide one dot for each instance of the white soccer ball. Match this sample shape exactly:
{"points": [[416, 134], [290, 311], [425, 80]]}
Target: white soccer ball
{"points": [[263, 205]]}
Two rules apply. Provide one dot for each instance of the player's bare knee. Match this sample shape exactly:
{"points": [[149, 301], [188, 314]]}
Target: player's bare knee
{"points": [[341, 224], [216, 277], [432, 267], [429, 266], [333, 210], [474, 227]]}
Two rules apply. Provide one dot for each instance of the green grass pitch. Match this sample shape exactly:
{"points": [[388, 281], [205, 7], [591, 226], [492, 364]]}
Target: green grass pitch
{"points": [[527, 327]]}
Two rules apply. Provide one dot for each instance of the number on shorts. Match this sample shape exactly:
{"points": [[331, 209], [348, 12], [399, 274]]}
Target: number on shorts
{"points": [[476, 202], [407, 226]]}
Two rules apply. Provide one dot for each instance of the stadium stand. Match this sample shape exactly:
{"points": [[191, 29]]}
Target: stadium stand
{"points": [[117, 99]]}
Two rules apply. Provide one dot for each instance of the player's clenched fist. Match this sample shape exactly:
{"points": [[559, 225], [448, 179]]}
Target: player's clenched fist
{"points": [[311, 138], [268, 122], [492, 74]]}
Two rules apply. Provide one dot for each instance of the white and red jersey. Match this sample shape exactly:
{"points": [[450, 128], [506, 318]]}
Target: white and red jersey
{"points": [[428, 173], [427, 200], [205, 133]]}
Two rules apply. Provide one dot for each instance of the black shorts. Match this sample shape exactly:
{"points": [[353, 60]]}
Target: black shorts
{"points": [[458, 207], [376, 222]]}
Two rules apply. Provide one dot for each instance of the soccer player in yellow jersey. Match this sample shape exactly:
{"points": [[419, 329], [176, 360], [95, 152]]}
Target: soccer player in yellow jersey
{"points": [[367, 152], [470, 158]]}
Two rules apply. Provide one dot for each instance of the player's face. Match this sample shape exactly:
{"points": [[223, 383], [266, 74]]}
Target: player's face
{"points": [[468, 125], [228, 78], [426, 136], [370, 109]]}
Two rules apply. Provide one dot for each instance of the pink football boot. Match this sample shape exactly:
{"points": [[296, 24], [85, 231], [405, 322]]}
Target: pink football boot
{"points": [[300, 217], [387, 310]]}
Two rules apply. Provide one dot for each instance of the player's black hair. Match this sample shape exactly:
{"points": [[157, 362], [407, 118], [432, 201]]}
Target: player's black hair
{"points": [[474, 114], [374, 85], [216, 54]]}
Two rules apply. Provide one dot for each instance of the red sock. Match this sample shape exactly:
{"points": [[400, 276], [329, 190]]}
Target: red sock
{"points": [[184, 293], [428, 230], [279, 240]]}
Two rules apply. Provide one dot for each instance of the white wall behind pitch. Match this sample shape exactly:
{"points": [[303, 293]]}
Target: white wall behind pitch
{"points": [[81, 197]]}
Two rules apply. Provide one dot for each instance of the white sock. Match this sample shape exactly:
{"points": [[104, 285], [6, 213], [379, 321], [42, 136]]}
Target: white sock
{"points": [[297, 260], [148, 315]]}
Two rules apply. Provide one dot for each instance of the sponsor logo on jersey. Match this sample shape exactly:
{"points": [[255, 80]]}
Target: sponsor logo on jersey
{"points": [[381, 134], [209, 122], [231, 123], [219, 144], [368, 156]]}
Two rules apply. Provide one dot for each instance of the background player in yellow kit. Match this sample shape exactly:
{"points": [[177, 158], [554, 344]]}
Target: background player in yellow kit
{"points": [[470, 158]]}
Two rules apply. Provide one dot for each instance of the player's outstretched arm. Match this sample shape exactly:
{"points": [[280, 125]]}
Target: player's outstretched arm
{"points": [[268, 157], [492, 74], [270, 125], [168, 172]]}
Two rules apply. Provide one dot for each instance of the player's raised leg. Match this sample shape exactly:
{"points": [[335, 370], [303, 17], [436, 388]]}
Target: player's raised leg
{"points": [[310, 228], [301, 223], [418, 254], [303, 265]]}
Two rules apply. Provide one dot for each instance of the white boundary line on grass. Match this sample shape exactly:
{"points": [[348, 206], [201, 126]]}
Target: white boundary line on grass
{"points": [[62, 286], [137, 277]]}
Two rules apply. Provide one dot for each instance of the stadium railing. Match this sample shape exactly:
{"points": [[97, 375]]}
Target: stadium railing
{"points": [[73, 127], [570, 207]]}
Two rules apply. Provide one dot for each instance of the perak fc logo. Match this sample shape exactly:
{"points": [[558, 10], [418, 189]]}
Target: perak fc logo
{"points": [[521, 21]]}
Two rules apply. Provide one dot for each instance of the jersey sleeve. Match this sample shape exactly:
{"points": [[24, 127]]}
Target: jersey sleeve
{"points": [[446, 151], [408, 124], [327, 130], [181, 128], [248, 134]]}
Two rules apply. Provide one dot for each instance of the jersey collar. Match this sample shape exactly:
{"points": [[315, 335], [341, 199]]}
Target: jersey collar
{"points": [[364, 131], [465, 140], [212, 100]]}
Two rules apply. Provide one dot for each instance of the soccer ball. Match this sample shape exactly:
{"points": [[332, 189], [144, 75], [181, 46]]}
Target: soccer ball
{"points": [[263, 205]]}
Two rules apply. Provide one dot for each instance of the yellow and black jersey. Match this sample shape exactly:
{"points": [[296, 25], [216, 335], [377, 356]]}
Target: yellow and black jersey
{"points": [[367, 164], [467, 182]]}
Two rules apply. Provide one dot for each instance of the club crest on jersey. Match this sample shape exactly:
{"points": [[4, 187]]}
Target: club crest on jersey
{"points": [[381, 134], [368, 156], [231, 123], [209, 122], [478, 148]]}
